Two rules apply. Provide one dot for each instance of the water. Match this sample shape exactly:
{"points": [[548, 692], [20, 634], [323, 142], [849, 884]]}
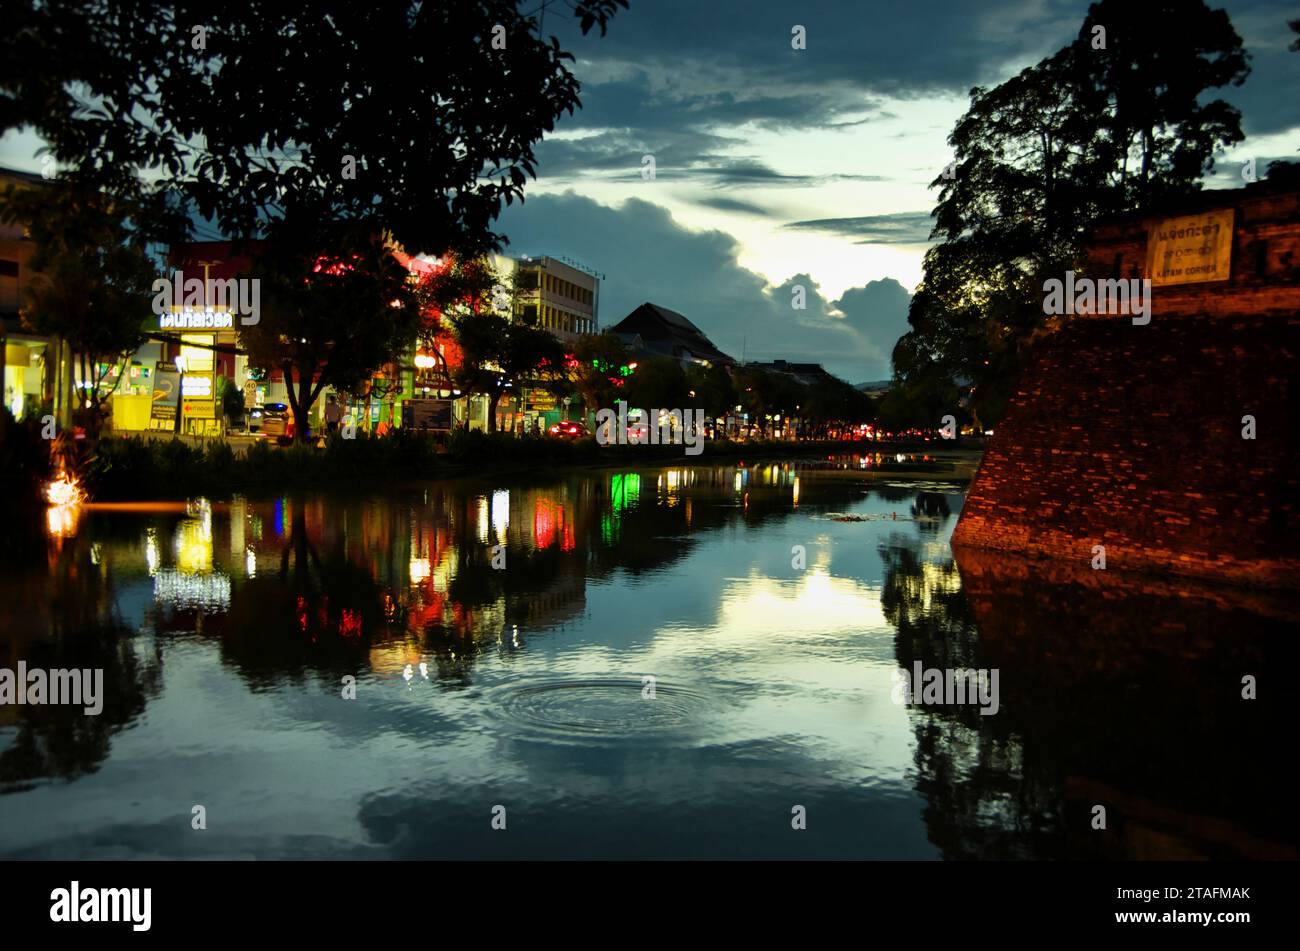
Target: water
{"points": [[227, 629]]}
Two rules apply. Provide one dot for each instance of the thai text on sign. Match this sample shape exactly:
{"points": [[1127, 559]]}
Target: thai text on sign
{"points": [[1190, 249]]}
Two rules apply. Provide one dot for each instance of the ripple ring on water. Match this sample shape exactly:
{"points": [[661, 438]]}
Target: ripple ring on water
{"points": [[596, 711]]}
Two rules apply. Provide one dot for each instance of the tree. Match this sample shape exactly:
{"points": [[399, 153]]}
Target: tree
{"points": [[395, 112], [711, 389], [594, 371], [92, 279], [919, 403], [766, 395], [832, 404], [330, 318], [657, 382], [497, 355], [1084, 133], [314, 126], [1160, 130]]}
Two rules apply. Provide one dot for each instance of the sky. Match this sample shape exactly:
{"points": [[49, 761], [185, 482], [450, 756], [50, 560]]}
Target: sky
{"points": [[776, 167]]}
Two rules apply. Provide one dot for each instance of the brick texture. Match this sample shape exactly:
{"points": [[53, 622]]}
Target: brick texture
{"points": [[1131, 436]]}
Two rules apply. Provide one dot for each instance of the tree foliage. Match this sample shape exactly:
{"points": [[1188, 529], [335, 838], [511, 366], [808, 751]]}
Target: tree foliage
{"points": [[92, 275], [330, 129], [397, 113], [1085, 133], [594, 372], [498, 355], [330, 318]]}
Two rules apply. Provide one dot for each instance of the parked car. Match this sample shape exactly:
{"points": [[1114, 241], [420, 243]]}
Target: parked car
{"points": [[275, 421], [569, 429], [638, 429], [254, 417]]}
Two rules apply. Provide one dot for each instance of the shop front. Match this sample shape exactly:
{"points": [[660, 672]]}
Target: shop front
{"points": [[199, 348], [26, 387]]}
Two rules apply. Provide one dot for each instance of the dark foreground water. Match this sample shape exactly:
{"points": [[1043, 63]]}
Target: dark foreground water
{"points": [[227, 631]]}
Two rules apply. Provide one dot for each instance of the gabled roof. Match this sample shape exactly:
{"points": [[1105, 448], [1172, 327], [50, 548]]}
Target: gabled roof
{"points": [[674, 318], [808, 373], [683, 338]]}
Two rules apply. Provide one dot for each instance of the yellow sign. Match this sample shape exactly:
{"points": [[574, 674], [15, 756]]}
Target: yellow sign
{"points": [[200, 409], [1191, 249], [541, 400]]}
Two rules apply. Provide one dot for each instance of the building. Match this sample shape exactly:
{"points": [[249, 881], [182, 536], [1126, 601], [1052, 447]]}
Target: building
{"points": [[1162, 437], [658, 331], [29, 363], [555, 294], [202, 342], [807, 374]]}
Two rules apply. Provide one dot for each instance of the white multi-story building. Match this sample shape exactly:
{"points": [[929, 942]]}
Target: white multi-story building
{"points": [[557, 295]]}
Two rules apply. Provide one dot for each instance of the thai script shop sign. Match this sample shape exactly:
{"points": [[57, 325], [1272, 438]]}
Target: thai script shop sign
{"points": [[1191, 249], [196, 320]]}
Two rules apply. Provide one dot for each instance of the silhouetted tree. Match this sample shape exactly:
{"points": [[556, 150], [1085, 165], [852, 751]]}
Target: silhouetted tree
{"points": [[1091, 130]]}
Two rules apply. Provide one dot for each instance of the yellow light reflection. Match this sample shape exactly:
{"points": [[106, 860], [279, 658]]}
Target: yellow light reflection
{"points": [[420, 570], [193, 545], [61, 520], [151, 550], [501, 513]]}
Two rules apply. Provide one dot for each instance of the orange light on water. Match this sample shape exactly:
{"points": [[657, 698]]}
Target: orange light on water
{"points": [[63, 490]]}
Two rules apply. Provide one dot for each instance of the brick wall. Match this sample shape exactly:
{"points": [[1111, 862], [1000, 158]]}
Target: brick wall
{"points": [[1130, 437], [1265, 274]]}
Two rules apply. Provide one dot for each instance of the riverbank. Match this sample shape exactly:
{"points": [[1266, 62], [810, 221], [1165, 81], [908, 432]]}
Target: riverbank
{"points": [[136, 468]]}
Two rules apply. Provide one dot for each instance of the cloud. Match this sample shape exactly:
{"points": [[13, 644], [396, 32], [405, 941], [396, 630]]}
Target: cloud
{"points": [[646, 255], [897, 48], [678, 76], [734, 205], [683, 80], [1267, 99], [908, 228]]}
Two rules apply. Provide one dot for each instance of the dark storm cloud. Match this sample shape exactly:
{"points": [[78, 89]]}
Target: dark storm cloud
{"points": [[680, 157], [646, 255], [878, 311], [671, 73], [899, 48], [659, 100], [909, 227], [1269, 100], [733, 204], [728, 172]]}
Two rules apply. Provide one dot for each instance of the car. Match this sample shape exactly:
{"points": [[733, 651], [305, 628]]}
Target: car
{"points": [[569, 429], [638, 428], [273, 420], [254, 416]]}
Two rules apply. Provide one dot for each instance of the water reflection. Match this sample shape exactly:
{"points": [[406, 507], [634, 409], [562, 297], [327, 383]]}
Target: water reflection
{"points": [[499, 636], [61, 613]]}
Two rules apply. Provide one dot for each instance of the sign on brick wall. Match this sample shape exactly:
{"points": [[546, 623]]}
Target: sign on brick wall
{"points": [[1191, 249]]}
